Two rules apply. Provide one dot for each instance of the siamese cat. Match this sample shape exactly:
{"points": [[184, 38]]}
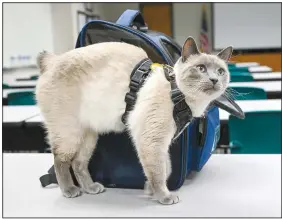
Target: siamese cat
{"points": [[81, 95]]}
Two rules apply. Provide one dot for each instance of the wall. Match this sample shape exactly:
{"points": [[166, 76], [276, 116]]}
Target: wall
{"points": [[54, 26], [62, 28], [27, 29], [187, 21], [112, 11], [75, 7]]}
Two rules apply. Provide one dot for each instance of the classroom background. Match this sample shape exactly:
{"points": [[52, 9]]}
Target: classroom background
{"points": [[254, 30]]}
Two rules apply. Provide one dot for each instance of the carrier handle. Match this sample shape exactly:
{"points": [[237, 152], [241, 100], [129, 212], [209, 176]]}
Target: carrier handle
{"points": [[129, 17]]}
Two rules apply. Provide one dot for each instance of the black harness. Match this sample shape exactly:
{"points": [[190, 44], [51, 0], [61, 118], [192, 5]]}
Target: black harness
{"points": [[182, 113]]}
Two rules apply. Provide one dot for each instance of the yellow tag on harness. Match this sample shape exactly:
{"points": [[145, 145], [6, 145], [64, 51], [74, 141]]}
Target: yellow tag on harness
{"points": [[156, 65]]}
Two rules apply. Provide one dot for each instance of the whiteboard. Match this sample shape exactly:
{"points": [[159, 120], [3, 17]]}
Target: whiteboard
{"points": [[247, 25], [27, 30]]}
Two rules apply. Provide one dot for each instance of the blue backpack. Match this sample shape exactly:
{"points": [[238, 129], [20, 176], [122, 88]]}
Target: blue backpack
{"points": [[119, 166]]}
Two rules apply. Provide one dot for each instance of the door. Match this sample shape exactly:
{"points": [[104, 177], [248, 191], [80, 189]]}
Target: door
{"points": [[158, 17]]}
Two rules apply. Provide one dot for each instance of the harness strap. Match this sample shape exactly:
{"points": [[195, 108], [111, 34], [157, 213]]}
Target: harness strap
{"points": [[138, 76], [182, 113]]}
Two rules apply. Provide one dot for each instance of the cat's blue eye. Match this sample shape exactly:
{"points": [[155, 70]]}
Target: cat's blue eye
{"points": [[221, 71], [201, 68]]}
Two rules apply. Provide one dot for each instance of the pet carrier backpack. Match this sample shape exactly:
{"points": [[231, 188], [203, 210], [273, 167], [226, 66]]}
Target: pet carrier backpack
{"points": [[119, 166]]}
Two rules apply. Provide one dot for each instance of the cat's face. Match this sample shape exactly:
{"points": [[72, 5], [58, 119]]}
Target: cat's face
{"points": [[201, 75]]}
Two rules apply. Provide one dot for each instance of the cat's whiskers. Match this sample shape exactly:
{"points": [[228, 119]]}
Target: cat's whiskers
{"points": [[231, 93]]}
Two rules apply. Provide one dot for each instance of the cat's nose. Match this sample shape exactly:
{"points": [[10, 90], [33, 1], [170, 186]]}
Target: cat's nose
{"points": [[214, 80]]}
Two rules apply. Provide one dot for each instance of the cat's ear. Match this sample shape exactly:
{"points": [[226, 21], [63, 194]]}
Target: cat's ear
{"points": [[226, 53], [189, 48]]}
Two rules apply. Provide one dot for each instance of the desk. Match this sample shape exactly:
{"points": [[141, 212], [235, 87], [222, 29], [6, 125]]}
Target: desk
{"points": [[253, 105], [8, 91], [22, 84], [13, 75], [228, 186], [11, 90], [273, 88], [272, 76], [18, 113], [21, 136], [255, 69], [246, 106], [246, 64], [33, 123]]}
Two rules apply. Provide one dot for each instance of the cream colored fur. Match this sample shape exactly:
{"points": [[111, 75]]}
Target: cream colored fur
{"points": [[81, 96]]}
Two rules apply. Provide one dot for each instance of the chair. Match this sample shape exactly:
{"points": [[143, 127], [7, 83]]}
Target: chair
{"points": [[249, 93], [239, 73], [231, 65], [34, 77], [236, 69], [5, 86], [241, 77], [21, 98], [258, 133]]}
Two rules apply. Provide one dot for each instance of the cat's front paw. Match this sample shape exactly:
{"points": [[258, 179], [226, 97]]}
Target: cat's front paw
{"points": [[169, 200], [71, 192], [95, 188]]}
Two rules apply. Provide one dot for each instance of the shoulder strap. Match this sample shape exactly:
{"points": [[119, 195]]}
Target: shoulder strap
{"points": [[49, 178], [129, 17]]}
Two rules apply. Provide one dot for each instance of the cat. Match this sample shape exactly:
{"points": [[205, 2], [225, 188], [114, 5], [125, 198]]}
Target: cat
{"points": [[81, 95]]}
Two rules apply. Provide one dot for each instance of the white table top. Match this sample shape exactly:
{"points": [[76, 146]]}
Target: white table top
{"points": [[19, 113], [228, 186], [246, 64], [22, 83], [260, 69], [268, 86], [9, 77], [253, 105], [265, 76], [36, 118], [16, 90], [32, 113]]}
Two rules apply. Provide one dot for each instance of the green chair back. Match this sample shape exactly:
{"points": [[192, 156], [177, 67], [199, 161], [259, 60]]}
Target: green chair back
{"points": [[5, 86], [241, 77], [240, 73], [21, 98], [34, 77], [231, 65], [236, 69], [258, 133], [248, 93]]}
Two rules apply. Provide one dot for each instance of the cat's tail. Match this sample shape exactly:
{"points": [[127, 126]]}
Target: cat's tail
{"points": [[43, 60]]}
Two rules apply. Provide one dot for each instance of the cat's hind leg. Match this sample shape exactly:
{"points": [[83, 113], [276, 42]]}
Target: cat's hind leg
{"points": [[80, 163], [64, 150]]}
